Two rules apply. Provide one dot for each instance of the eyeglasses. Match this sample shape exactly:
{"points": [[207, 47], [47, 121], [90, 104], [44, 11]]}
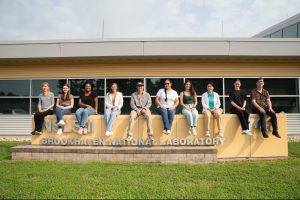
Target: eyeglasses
{"points": [[167, 83], [140, 86]]}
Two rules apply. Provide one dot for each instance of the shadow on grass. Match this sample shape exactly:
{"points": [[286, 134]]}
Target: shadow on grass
{"points": [[294, 149]]}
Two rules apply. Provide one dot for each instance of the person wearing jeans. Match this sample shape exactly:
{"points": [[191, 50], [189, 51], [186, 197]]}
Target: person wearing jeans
{"points": [[45, 107], [64, 104], [188, 101], [167, 101], [262, 106], [113, 105], [140, 103], [88, 104]]}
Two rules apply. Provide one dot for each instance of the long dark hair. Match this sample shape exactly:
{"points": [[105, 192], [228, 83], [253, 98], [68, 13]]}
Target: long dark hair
{"points": [[166, 99], [110, 90], [67, 96], [192, 90]]}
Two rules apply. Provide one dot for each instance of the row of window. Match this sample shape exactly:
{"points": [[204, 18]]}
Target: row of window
{"points": [[292, 31], [276, 86], [20, 96]]}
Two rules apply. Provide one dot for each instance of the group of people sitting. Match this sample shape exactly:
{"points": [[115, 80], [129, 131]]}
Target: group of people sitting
{"points": [[167, 100]]}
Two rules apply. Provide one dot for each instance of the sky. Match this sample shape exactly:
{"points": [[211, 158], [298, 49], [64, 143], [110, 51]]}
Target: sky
{"points": [[85, 19]]}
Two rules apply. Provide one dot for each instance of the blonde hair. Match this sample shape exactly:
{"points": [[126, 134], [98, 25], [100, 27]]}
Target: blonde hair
{"points": [[48, 91]]}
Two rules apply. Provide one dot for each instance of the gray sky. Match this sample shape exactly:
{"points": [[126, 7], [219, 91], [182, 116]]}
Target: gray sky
{"points": [[82, 19]]}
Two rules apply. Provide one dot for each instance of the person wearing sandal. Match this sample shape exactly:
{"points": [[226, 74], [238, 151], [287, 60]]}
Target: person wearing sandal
{"points": [[64, 104], [88, 103], [45, 107], [113, 105], [167, 101], [238, 101], [188, 101], [211, 107]]}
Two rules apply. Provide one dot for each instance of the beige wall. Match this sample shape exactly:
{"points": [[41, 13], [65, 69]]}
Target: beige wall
{"points": [[151, 68]]}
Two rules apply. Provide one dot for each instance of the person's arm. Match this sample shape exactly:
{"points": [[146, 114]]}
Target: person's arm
{"points": [[195, 100], [149, 102], [71, 105], [52, 103], [39, 106], [132, 103], [157, 100], [120, 103], [254, 103], [269, 103], [181, 102], [175, 104], [84, 105], [218, 102]]}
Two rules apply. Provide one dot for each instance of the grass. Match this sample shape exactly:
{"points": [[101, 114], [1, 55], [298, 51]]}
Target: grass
{"points": [[48, 179]]}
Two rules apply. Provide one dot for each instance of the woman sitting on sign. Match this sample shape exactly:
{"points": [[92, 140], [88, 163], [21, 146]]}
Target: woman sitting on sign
{"points": [[211, 107], [113, 105], [167, 101], [188, 101], [64, 104], [45, 107], [88, 105]]}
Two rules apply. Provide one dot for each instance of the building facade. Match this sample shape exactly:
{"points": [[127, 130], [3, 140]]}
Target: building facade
{"points": [[25, 65]]}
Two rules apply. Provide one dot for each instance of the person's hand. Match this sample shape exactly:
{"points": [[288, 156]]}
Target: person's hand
{"points": [[139, 112], [262, 110], [96, 112], [114, 109], [271, 110], [163, 107]]}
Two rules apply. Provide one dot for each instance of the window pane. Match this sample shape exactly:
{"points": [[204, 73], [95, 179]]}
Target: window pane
{"points": [[290, 32], [277, 34], [298, 30], [275, 86], [77, 86], [154, 84], [14, 88], [126, 86], [285, 104], [200, 85], [15, 106], [55, 86]]}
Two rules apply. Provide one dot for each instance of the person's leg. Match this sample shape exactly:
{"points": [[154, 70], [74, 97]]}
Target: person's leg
{"points": [[164, 115], [86, 112], [148, 116], [78, 114], [195, 117], [242, 119], [42, 117], [132, 119], [274, 123], [58, 113], [37, 124], [218, 117], [171, 114], [107, 115], [207, 116], [189, 117], [246, 117], [113, 117], [262, 121]]}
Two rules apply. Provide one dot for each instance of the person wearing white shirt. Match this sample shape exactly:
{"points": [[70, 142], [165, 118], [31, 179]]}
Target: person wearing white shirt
{"points": [[211, 107], [113, 105], [167, 101]]}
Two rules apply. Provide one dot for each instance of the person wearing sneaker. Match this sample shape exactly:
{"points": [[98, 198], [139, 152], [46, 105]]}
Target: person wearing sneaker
{"points": [[262, 106], [188, 101], [140, 103], [113, 105], [238, 101], [167, 101], [88, 105], [45, 107], [64, 104], [211, 107]]}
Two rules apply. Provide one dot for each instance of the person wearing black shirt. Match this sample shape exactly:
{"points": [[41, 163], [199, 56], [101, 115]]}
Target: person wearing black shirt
{"points": [[238, 101], [88, 105]]}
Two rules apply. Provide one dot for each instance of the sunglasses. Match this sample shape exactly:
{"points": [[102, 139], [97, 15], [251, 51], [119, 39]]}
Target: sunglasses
{"points": [[167, 83]]}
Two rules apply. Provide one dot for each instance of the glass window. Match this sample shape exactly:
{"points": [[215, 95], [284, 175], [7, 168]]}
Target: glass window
{"points": [[277, 34], [290, 32], [154, 84], [126, 86], [285, 104], [275, 86], [200, 85], [55, 86], [14, 88], [298, 30], [77, 86], [15, 106]]}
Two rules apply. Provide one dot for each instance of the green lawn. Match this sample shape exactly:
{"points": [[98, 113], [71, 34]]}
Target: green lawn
{"points": [[48, 179]]}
